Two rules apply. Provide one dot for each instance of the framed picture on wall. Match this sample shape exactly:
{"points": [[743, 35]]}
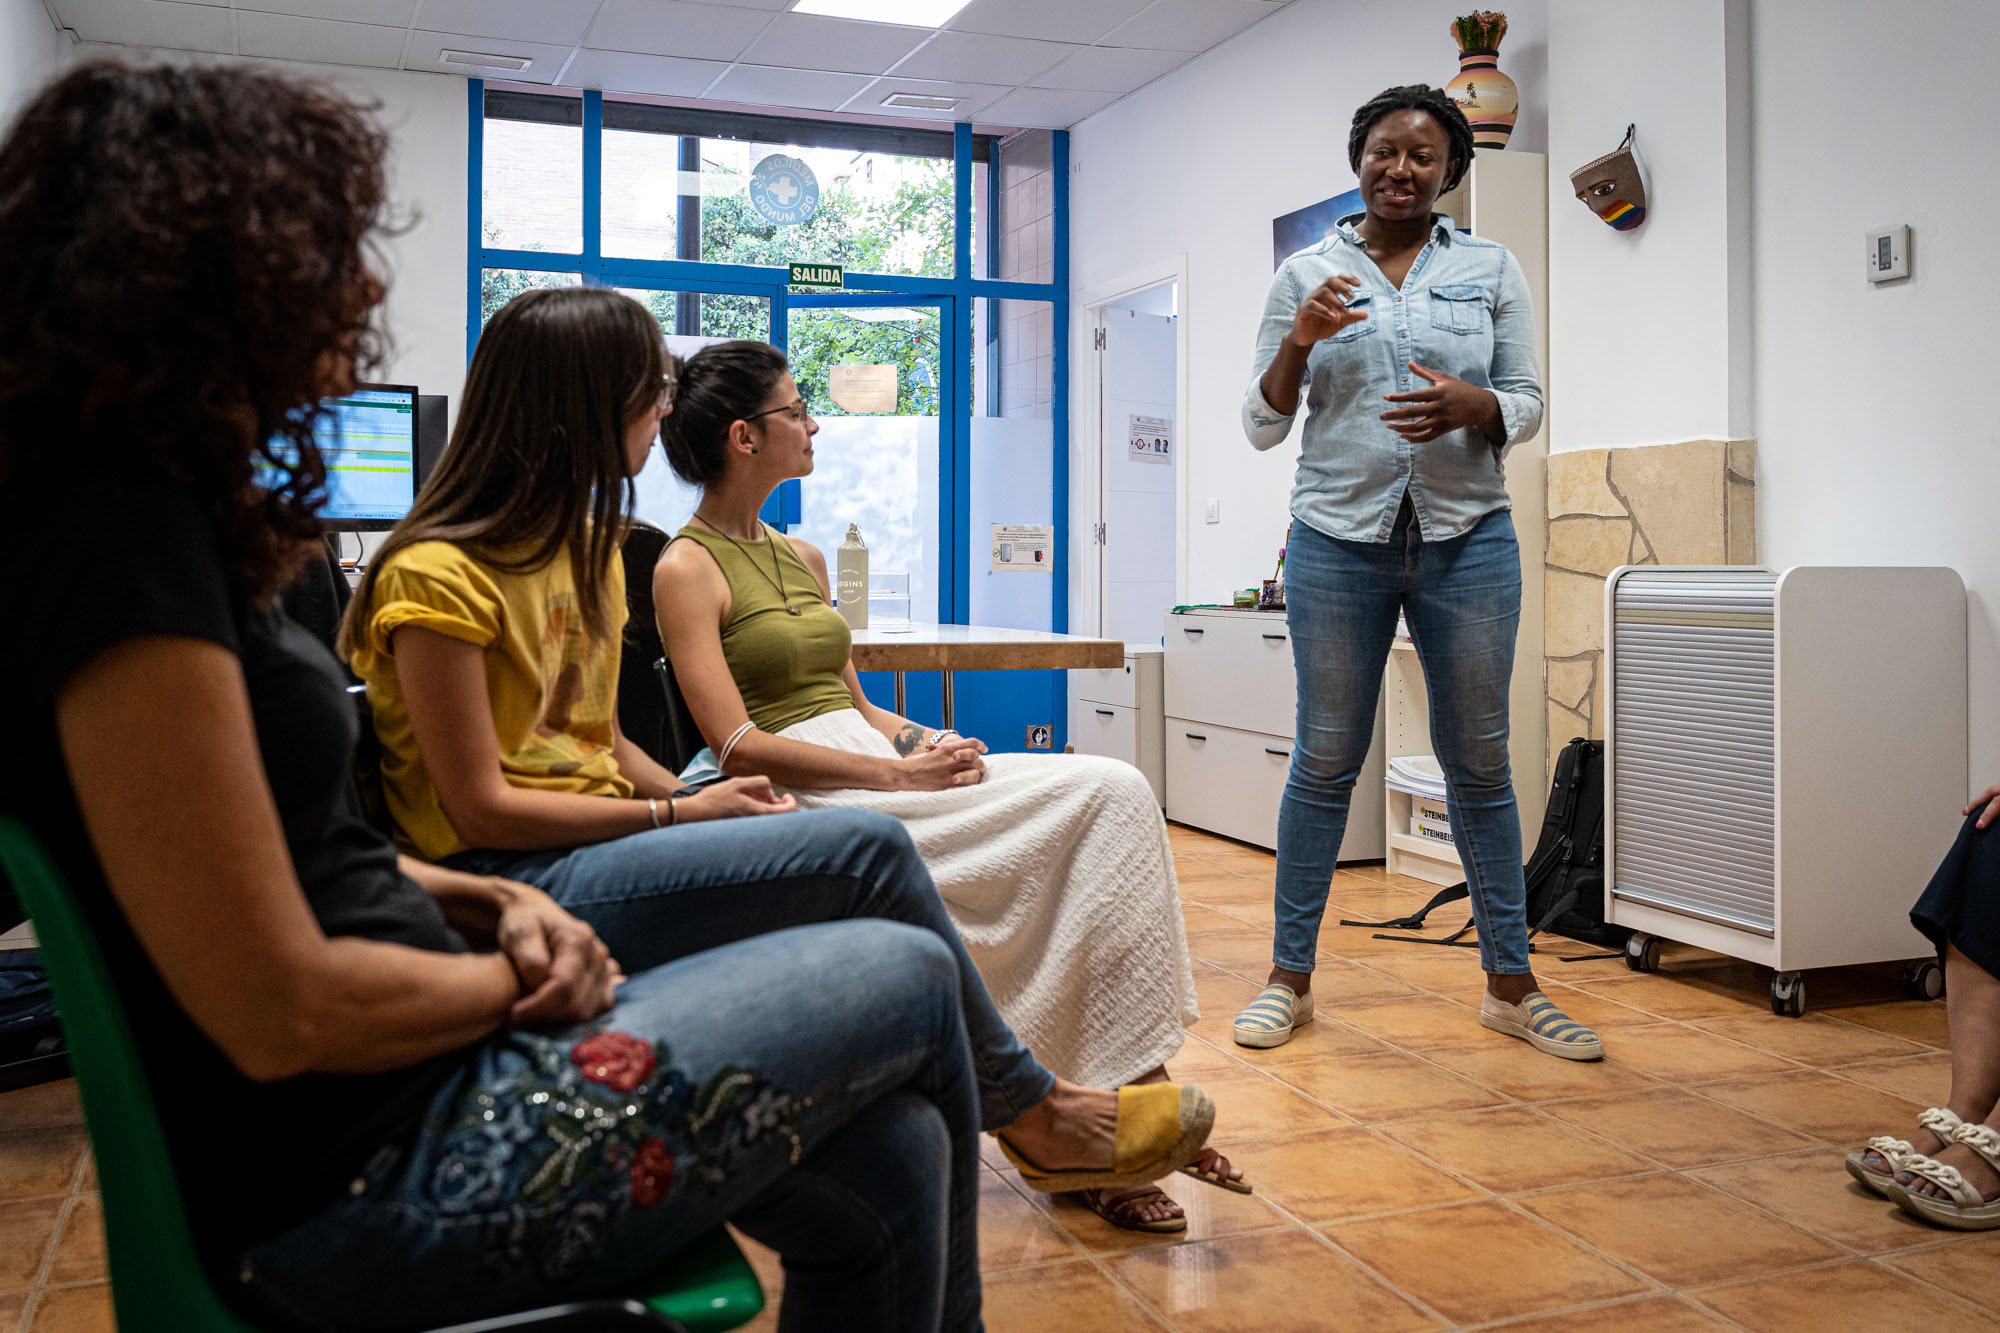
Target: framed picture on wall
{"points": [[1310, 225]]}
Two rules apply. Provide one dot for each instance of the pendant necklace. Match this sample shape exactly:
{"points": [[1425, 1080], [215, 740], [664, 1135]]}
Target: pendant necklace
{"points": [[770, 541]]}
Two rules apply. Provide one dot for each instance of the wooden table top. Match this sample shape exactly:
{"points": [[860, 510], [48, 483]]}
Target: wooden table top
{"points": [[980, 648]]}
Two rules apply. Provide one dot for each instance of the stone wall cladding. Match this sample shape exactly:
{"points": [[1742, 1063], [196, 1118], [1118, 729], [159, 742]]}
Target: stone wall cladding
{"points": [[1669, 504]]}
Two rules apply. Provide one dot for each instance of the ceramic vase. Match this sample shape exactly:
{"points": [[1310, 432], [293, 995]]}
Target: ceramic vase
{"points": [[1486, 96]]}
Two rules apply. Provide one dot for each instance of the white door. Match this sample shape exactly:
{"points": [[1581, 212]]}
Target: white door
{"points": [[1142, 443]]}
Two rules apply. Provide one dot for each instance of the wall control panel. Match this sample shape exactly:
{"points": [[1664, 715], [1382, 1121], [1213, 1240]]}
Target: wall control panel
{"points": [[1888, 254]]}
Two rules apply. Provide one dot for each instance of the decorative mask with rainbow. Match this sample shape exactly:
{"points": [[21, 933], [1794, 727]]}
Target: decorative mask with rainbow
{"points": [[1612, 186]]}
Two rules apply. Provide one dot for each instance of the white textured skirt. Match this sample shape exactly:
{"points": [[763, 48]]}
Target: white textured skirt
{"points": [[1057, 872]]}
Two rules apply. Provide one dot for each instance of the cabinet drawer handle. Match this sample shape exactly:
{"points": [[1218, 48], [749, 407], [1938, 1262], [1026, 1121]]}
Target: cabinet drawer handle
{"points": [[1187, 630], [1278, 637], [1106, 712], [1282, 754], [1194, 736]]}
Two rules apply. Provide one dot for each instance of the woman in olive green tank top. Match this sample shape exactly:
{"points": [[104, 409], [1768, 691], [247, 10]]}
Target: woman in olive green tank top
{"points": [[1055, 868]]}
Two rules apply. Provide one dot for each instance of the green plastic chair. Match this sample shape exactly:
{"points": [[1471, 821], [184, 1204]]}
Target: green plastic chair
{"points": [[157, 1283]]}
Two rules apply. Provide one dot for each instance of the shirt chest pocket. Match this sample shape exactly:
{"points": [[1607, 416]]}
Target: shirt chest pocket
{"points": [[1459, 307], [1364, 303]]}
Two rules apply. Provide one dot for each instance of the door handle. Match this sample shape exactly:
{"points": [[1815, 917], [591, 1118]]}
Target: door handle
{"points": [[1194, 736], [1106, 712]]}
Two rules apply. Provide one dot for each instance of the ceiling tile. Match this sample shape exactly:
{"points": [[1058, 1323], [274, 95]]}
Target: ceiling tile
{"points": [[672, 28], [1045, 108], [393, 13], [150, 23], [1111, 69], [810, 41], [632, 72], [285, 37], [425, 46], [1189, 25], [975, 97], [556, 22], [764, 85], [966, 55], [1054, 20]]}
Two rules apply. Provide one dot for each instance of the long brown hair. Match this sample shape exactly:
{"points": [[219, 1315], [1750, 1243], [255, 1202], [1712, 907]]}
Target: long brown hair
{"points": [[537, 460], [182, 256]]}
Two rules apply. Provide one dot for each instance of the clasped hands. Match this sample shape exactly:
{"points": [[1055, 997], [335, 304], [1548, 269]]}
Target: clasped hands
{"points": [[947, 760], [1445, 405]]}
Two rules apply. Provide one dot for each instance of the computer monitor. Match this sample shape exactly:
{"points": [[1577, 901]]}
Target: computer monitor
{"points": [[369, 440]]}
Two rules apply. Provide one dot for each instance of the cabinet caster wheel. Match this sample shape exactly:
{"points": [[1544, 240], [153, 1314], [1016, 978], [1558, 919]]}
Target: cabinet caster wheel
{"points": [[1923, 979], [1788, 994], [1642, 953]]}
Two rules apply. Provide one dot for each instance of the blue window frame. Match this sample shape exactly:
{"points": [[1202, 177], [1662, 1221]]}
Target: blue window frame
{"points": [[956, 295]]}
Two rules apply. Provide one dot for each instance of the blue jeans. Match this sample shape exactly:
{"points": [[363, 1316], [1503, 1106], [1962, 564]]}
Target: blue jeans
{"points": [[661, 895], [1462, 599], [811, 1086]]}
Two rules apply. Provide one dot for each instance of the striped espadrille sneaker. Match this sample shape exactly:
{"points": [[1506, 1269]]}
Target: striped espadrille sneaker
{"points": [[1537, 1021], [1269, 1019]]}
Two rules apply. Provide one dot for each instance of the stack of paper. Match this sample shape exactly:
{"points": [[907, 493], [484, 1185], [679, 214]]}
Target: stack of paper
{"points": [[1417, 774]]}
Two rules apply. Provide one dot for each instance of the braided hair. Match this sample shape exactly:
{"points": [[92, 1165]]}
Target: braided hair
{"points": [[1415, 97]]}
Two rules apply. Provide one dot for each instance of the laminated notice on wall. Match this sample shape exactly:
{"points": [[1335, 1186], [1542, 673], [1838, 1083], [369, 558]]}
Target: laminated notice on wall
{"points": [[1023, 548], [1152, 439], [863, 388]]}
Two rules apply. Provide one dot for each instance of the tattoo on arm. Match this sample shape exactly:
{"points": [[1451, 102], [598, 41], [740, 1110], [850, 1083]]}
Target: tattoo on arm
{"points": [[909, 740]]}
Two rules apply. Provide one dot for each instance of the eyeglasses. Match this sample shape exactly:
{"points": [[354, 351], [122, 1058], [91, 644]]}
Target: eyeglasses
{"points": [[799, 408]]}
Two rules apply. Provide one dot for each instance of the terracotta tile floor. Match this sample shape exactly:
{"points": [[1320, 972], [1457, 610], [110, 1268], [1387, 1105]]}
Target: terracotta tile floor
{"points": [[1414, 1171]]}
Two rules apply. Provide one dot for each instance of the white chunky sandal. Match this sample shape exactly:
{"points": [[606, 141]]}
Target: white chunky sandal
{"points": [[1966, 1209], [1898, 1153]]}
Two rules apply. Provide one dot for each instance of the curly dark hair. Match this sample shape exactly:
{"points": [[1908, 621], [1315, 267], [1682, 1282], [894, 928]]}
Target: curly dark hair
{"points": [[182, 263], [1415, 97]]}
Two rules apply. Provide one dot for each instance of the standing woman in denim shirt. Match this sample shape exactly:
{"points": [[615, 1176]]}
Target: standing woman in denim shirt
{"points": [[1414, 347]]}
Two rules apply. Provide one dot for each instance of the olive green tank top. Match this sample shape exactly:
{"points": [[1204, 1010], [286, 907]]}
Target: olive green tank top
{"points": [[787, 667]]}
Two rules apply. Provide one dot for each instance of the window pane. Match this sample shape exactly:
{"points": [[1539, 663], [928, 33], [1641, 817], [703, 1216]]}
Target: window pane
{"points": [[498, 286], [641, 194], [877, 213], [531, 193], [706, 314]]}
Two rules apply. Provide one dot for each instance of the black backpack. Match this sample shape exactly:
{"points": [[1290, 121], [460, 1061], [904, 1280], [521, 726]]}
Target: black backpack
{"points": [[1566, 873]]}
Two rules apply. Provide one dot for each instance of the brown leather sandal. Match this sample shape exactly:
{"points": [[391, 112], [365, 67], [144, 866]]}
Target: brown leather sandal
{"points": [[1212, 1168], [1127, 1213]]}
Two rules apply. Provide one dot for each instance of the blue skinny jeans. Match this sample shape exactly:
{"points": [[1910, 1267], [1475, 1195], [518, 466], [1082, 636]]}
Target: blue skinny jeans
{"points": [[812, 1086], [1462, 599], [666, 893]]}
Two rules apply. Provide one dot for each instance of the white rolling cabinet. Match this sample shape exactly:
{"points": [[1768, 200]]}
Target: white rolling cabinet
{"points": [[1230, 710], [1406, 729], [1786, 760], [1117, 712]]}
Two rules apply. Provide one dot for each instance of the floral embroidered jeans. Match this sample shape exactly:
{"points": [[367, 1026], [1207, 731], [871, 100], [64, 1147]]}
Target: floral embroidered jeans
{"points": [[666, 893], [812, 1086]]}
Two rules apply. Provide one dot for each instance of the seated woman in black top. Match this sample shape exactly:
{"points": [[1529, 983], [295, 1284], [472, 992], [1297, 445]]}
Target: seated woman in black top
{"points": [[387, 1107]]}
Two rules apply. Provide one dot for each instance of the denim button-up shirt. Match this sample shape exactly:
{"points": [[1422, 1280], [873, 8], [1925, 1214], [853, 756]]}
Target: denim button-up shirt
{"points": [[1463, 309]]}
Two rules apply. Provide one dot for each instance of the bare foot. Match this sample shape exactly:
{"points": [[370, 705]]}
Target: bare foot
{"points": [[1511, 987], [1072, 1128], [1300, 982], [1925, 1142], [1134, 1207], [1978, 1174]]}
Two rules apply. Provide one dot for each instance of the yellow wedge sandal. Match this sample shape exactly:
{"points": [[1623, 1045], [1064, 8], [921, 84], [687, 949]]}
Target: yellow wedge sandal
{"points": [[1161, 1128]]}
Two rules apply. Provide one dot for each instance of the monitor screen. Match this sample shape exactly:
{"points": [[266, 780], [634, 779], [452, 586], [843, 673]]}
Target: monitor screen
{"points": [[369, 440]]}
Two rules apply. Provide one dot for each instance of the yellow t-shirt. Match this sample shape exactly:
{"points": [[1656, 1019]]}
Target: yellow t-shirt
{"points": [[553, 691]]}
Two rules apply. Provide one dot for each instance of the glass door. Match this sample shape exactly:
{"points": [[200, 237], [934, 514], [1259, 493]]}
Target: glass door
{"points": [[875, 370]]}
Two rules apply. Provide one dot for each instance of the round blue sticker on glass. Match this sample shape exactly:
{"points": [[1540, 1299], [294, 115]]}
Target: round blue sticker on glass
{"points": [[783, 190]]}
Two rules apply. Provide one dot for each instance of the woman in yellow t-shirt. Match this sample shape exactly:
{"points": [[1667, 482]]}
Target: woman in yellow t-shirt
{"points": [[487, 632]]}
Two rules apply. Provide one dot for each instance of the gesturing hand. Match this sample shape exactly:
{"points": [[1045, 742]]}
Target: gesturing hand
{"points": [[1443, 406], [1325, 311], [734, 798], [956, 763], [567, 974], [1990, 798]]}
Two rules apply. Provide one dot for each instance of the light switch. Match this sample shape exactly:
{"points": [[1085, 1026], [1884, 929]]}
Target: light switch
{"points": [[1888, 254], [1212, 511]]}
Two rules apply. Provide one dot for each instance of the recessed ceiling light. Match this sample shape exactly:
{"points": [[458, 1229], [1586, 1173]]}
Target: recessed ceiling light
{"points": [[922, 101], [485, 60], [912, 13]]}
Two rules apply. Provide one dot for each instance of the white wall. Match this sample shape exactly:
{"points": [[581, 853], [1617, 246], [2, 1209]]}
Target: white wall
{"points": [[1652, 342], [1198, 164], [425, 115], [32, 49], [1877, 437]]}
